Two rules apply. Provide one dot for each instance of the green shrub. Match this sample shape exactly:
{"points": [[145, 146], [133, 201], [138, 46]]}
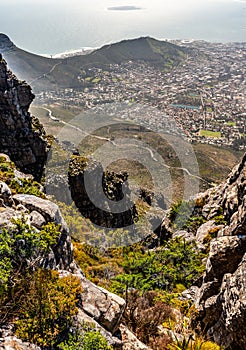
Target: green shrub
{"points": [[179, 213], [178, 262], [85, 338], [26, 186], [22, 249], [48, 306], [22, 245]]}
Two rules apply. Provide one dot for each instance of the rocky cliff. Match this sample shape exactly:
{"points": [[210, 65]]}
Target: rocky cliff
{"points": [[21, 135], [97, 194], [221, 298], [5, 43]]}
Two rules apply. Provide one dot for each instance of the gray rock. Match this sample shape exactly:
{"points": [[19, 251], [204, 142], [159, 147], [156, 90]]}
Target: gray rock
{"points": [[49, 210], [36, 219], [229, 328], [188, 236], [224, 256], [6, 194], [82, 318], [130, 341], [13, 343], [104, 307], [221, 300], [191, 293], [6, 215], [204, 230], [22, 137]]}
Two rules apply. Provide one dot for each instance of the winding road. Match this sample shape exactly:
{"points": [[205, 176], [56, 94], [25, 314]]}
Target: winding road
{"points": [[185, 170]]}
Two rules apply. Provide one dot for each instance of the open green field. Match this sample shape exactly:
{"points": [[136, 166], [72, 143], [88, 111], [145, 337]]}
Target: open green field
{"points": [[208, 133]]}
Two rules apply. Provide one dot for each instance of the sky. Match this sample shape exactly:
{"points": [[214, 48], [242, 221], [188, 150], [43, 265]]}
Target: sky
{"points": [[53, 26]]}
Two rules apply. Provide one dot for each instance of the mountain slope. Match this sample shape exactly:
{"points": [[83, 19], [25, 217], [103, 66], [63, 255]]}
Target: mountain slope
{"points": [[145, 49], [48, 73]]}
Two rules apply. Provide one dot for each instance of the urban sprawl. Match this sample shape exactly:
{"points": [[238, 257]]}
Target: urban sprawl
{"points": [[204, 95]]}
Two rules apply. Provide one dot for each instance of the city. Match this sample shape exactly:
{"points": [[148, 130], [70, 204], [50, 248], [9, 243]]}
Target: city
{"points": [[205, 94]]}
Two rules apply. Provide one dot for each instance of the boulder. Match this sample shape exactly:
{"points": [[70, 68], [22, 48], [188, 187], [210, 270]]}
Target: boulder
{"points": [[49, 210], [83, 318], [13, 343], [207, 229], [187, 236], [104, 307]]}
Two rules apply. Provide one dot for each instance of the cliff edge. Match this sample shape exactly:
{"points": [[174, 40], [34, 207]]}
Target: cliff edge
{"points": [[22, 137], [221, 299]]}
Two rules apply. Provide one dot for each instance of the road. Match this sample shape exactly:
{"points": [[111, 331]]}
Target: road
{"points": [[118, 145], [44, 74]]}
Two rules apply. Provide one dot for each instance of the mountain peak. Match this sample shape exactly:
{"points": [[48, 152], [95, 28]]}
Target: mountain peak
{"points": [[5, 43]]}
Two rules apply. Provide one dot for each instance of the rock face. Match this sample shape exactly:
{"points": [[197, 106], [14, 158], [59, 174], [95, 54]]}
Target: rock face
{"points": [[221, 299], [99, 307], [229, 200], [97, 194], [22, 137], [12, 343], [5, 43]]}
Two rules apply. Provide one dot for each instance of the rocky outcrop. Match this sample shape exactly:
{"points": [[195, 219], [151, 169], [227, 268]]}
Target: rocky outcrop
{"points": [[229, 200], [97, 194], [99, 307], [221, 299], [22, 137], [5, 43], [37, 212]]}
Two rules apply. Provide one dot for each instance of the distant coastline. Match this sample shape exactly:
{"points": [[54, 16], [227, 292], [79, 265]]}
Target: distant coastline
{"points": [[88, 50], [71, 53]]}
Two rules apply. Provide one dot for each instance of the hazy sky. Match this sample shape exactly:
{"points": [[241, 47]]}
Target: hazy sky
{"points": [[51, 26]]}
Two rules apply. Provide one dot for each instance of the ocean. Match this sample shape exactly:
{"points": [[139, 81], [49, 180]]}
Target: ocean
{"points": [[55, 26]]}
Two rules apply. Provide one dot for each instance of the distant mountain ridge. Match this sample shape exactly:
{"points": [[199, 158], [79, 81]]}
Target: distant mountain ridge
{"points": [[49, 73]]}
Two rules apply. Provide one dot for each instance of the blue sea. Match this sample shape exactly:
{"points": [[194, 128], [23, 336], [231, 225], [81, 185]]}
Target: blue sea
{"points": [[55, 26]]}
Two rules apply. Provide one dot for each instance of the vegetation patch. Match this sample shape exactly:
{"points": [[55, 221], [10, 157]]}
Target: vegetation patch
{"points": [[209, 133]]}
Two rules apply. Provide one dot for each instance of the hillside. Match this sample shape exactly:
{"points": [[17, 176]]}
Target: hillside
{"points": [[47, 73], [160, 53]]}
